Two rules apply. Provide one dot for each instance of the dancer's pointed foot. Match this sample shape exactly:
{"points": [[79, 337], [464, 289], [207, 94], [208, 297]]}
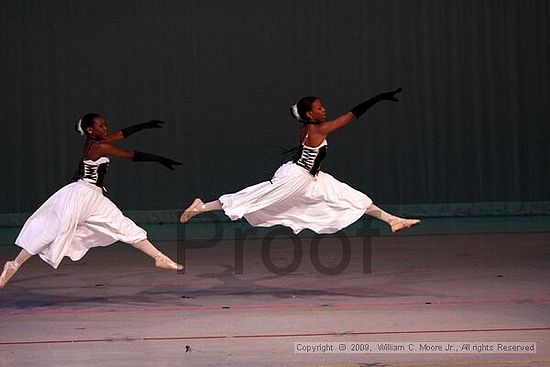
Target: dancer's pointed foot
{"points": [[164, 262], [10, 268], [191, 211], [403, 224]]}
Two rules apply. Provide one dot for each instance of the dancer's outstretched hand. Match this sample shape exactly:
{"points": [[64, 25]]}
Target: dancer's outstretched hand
{"points": [[127, 131], [148, 157], [390, 96], [168, 163], [153, 124]]}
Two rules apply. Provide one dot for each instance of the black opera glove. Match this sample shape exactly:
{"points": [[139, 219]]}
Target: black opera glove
{"points": [[153, 124], [148, 157], [360, 109]]}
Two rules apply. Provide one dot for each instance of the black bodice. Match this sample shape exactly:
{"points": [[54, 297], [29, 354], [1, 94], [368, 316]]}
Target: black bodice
{"points": [[93, 171], [311, 158]]}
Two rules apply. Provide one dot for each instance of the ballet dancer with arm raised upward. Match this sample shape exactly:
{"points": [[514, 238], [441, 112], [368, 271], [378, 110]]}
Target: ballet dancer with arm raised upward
{"points": [[300, 195]]}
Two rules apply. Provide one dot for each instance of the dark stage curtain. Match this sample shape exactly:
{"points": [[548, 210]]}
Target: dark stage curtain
{"points": [[471, 126]]}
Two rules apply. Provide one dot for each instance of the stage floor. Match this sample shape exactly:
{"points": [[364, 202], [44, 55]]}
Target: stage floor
{"points": [[248, 303]]}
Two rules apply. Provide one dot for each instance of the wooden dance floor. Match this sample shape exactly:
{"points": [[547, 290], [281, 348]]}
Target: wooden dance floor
{"points": [[256, 302]]}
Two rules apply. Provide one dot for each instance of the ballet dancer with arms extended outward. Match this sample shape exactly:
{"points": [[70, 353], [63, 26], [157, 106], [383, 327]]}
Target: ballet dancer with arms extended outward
{"points": [[79, 216], [300, 195]]}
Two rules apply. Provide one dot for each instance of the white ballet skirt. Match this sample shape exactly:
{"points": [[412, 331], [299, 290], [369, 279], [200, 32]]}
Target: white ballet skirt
{"points": [[297, 199], [74, 219]]}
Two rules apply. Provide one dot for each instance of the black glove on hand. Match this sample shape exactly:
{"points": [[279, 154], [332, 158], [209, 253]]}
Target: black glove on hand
{"points": [[148, 157], [390, 96], [360, 109], [127, 131]]}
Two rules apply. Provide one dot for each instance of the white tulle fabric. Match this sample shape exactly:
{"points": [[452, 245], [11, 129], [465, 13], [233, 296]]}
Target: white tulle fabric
{"points": [[296, 199], [74, 219]]}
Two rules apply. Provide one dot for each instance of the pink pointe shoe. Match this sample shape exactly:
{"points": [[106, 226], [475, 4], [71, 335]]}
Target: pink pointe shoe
{"points": [[10, 268], [403, 224], [164, 262], [191, 211]]}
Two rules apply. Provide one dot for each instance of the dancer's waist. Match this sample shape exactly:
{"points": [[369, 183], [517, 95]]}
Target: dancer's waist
{"points": [[307, 167], [92, 184]]}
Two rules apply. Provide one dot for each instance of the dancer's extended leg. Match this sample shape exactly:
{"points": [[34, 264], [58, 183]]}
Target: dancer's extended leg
{"points": [[11, 267], [197, 207], [161, 260], [396, 223]]}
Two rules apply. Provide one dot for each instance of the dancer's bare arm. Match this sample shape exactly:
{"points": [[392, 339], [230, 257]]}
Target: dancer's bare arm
{"points": [[106, 149], [327, 127], [113, 137]]}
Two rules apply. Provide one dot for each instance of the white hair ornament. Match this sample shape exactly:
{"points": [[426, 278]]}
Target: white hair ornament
{"points": [[295, 113], [79, 127]]}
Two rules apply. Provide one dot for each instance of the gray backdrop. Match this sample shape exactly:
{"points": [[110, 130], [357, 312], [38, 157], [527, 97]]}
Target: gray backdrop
{"points": [[471, 125]]}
